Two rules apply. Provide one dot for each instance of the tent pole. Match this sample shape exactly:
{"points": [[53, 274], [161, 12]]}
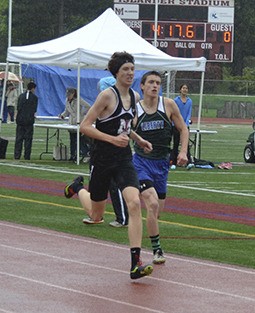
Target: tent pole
{"points": [[168, 79], [10, 24], [7, 64], [199, 114], [3, 95], [78, 112], [156, 24], [20, 83]]}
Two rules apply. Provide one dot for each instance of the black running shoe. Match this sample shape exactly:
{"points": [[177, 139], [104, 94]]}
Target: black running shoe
{"points": [[71, 189], [141, 271]]}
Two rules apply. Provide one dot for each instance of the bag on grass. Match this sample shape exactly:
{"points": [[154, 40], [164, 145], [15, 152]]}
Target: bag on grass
{"points": [[3, 148], [203, 163], [60, 152]]}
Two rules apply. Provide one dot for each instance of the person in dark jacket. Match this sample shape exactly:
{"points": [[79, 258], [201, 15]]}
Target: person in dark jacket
{"points": [[26, 109]]}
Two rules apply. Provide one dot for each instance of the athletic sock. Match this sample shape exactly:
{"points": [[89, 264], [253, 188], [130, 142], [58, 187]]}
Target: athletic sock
{"points": [[135, 257], [78, 188], [155, 243]]}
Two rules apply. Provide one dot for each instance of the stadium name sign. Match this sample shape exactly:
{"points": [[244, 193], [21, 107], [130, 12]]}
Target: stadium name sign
{"points": [[221, 3]]}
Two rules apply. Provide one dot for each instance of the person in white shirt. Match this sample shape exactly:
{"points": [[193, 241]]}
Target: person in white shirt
{"points": [[11, 99]]}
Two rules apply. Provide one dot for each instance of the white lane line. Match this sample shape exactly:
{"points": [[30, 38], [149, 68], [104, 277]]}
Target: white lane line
{"points": [[80, 292], [212, 190], [208, 290], [59, 170], [45, 169], [116, 246]]}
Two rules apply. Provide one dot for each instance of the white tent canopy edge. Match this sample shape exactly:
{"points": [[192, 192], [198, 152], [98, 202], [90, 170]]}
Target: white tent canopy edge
{"points": [[92, 46]]}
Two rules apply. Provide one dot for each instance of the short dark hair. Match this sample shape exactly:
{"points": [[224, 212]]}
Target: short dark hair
{"points": [[31, 85], [145, 75], [117, 60]]}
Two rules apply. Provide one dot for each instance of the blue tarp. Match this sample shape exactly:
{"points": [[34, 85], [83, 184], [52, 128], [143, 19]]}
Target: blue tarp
{"points": [[52, 82]]}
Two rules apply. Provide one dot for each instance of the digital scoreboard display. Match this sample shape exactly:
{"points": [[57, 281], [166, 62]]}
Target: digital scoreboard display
{"points": [[183, 28]]}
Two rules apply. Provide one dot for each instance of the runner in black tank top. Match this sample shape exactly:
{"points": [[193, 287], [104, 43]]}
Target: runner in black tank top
{"points": [[118, 203], [112, 113]]}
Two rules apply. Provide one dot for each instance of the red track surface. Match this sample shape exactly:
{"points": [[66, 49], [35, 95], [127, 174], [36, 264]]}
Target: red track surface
{"points": [[210, 210], [43, 271]]}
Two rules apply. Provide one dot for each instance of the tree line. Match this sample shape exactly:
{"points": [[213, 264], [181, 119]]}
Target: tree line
{"points": [[42, 20]]}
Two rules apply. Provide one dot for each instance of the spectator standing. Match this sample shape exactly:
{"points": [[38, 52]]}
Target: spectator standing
{"points": [[71, 112], [11, 99], [184, 104], [119, 206], [155, 115], [5, 112], [26, 110], [106, 82]]}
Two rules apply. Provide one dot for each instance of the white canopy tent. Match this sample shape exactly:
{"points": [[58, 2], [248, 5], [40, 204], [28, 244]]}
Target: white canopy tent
{"points": [[92, 46]]}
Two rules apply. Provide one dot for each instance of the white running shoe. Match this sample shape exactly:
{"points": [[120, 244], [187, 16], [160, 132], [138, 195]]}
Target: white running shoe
{"points": [[159, 257], [116, 224], [190, 166], [88, 220]]}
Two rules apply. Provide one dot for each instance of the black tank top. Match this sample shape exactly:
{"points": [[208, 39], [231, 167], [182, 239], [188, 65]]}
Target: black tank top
{"points": [[157, 129], [119, 121]]}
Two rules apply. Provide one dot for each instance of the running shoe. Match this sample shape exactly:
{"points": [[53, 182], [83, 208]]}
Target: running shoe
{"points": [[86, 159], [141, 271], [71, 189], [117, 224], [190, 166], [88, 220], [159, 257]]}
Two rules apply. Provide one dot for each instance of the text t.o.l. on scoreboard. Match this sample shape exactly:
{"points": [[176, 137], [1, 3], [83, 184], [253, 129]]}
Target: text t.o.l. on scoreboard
{"points": [[184, 28]]}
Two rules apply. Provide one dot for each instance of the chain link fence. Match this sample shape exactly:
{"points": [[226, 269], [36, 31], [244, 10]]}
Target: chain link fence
{"points": [[221, 98]]}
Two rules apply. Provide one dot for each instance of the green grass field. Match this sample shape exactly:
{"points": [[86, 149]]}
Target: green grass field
{"points": [[209, 239]]}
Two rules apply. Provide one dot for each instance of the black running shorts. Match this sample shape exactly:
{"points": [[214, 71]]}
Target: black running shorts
{"points": [[123, 173]]}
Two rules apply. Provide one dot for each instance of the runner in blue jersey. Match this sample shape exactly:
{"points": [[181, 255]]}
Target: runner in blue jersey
{"points": [[155, 115], [108, 122], [184, 104]]}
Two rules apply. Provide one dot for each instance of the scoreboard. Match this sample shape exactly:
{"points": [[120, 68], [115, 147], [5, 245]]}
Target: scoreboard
{"points": [[184, 28]]}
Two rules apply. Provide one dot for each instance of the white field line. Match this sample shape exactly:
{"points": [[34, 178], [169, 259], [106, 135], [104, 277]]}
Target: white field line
{"points": [[59, 170], [212, 190]]}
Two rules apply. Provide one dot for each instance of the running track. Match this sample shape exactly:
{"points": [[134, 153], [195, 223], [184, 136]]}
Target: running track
{"points": [[44, 271], [230, 213]]}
